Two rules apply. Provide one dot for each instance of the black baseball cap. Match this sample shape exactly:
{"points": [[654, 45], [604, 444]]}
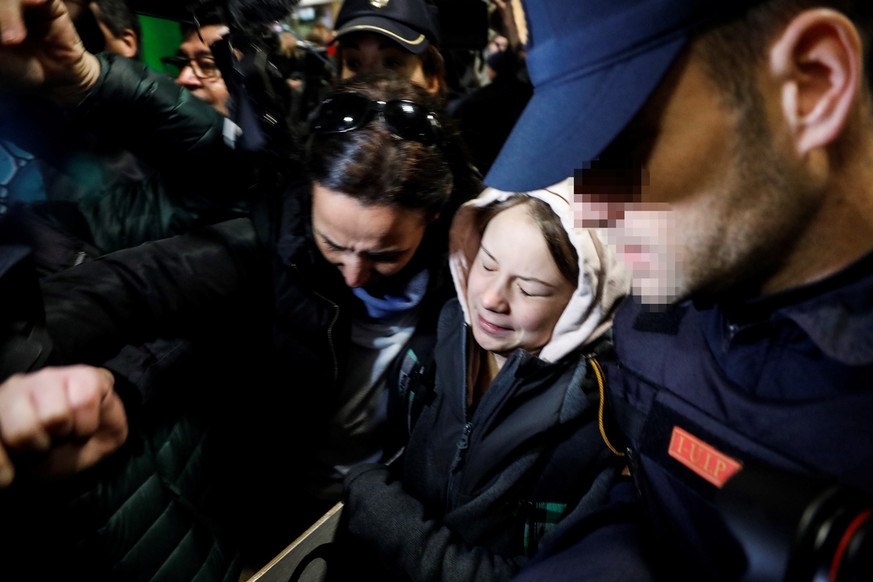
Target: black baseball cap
{"points": [[410, 23]]}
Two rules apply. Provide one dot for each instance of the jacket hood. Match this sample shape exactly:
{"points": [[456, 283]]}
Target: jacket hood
{"points": [[603, 280]]}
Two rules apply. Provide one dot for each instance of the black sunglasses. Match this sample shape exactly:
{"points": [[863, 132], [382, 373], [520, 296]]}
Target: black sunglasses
{"points": [[350, 111]]}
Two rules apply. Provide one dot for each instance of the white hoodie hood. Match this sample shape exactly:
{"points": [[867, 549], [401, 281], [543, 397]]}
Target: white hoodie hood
{"points": [[603, 281]]}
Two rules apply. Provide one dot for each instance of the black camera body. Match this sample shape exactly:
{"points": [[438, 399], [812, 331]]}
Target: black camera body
{"points": [[795, 528]]}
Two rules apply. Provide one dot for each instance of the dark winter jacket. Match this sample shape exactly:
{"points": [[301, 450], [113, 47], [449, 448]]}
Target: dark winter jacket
{"points": [[314, 307], [141, 515], [99, 166], [478, 491], [782, 382]]}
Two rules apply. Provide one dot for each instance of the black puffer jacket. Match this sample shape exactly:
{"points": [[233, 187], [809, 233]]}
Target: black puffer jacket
{"points": [[158, 509], [147, 513], [479, 493], [190, 176]]}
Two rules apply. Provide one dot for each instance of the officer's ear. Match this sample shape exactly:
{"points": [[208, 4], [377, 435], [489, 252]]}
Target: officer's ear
{"points": [[817, 64]]}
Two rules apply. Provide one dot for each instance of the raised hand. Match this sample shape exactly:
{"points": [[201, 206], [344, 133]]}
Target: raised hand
{"points": [[40, 51], [59, 421]]}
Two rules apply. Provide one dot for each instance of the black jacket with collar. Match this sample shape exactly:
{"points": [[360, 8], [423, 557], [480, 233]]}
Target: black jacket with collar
{"points": [[481, 490], [313, 308]]}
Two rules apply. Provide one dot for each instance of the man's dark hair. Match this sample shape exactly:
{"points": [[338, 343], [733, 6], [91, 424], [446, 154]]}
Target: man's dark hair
{"points": [[203, 16], [375, 168], [118, 15]]}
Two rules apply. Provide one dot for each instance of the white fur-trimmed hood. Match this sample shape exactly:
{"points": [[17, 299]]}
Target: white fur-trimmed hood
{"points": [[603, 281]]}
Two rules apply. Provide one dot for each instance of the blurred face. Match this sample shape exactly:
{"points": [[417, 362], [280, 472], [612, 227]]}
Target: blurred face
{"points": [[208, 86], [368, 244], [708, 202], [515, 293], [368, 52]]}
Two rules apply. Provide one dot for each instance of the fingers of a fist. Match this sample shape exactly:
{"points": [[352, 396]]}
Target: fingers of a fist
{"points": [[71, 456], [12, 29], [70, 413], [55, 403]]}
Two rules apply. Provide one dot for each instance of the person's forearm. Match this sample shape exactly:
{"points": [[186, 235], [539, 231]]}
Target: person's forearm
{"points": [[162, 288], [395, 527], [150, 114]]}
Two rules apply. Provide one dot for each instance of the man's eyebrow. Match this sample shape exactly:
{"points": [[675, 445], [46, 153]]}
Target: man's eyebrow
{"points": [[389, 44], [378, 253], [329, 242], [196, 55], [526, 279]]}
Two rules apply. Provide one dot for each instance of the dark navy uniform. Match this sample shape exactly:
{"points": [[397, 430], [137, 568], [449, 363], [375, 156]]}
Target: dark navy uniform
{"points": [[705, 392]]}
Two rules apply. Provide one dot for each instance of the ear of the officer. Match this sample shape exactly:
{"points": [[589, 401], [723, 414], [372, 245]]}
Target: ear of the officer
{"points": [[817, 62]]}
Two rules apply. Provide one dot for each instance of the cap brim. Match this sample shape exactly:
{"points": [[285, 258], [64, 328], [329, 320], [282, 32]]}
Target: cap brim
{"points": [[409, 38], [569, 122]]}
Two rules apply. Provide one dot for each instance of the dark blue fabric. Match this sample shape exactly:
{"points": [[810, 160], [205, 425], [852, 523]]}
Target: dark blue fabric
{"points": [[605, 545], [784, 381]]}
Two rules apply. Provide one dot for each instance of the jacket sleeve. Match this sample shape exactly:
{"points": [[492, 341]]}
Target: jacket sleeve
{"points": [[605, 541], [395, 527], [163, 288], [150, 114]]}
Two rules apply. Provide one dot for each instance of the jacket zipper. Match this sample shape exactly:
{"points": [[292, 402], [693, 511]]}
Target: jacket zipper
{"points": [[461, 447], [464, 442], [330, 327]]}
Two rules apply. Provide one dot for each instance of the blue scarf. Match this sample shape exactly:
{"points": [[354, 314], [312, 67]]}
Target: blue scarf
{"points": [[382, 308]]}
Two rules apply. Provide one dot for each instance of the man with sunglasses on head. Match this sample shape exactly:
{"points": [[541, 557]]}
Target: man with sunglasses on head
{"points": [[727, 145]]}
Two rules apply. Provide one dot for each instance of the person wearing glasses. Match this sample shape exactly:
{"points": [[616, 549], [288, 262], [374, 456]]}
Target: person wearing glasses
{"points": [[507, 443], [96, 515], [104, 189], [194, 66]]}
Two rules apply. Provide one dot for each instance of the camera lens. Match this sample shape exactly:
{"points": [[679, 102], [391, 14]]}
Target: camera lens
{"points": [[834, 539], [794, 528]]}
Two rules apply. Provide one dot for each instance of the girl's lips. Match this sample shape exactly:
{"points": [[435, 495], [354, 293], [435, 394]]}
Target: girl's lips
{"points": [[491, 328]]}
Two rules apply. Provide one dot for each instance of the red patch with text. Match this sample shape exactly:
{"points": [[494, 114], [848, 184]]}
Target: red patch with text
{"points": [[703, 459]]}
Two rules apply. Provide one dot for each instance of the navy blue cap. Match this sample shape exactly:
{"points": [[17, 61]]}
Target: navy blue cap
{"points": [[409, 23], [593, 65]]}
